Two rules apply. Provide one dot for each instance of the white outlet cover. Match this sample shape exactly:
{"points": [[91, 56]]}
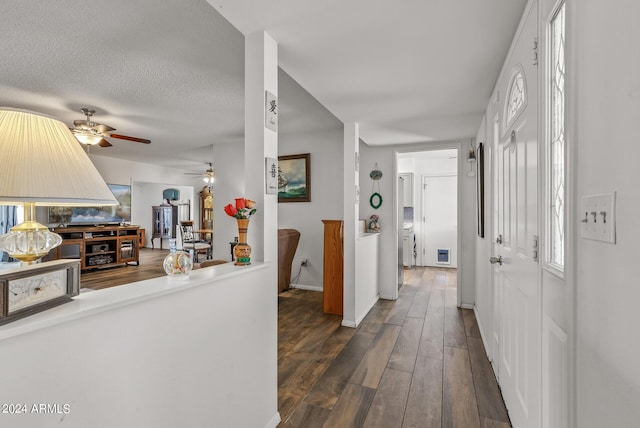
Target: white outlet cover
{"points": [[600, 214]]}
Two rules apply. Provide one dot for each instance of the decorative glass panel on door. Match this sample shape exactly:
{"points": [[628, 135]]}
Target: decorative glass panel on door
{"points": [[557, 142]]}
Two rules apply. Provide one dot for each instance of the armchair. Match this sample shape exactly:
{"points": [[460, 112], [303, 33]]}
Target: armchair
{"points": [[287, 244]]}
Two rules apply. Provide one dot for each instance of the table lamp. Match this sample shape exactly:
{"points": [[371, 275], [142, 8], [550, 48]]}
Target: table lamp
{"points": [[42, 165]]}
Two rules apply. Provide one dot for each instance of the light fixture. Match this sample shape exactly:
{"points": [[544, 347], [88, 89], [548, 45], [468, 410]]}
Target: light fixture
{"points": [[43, 165], [472, 160], [87, 137], [209, 176]]}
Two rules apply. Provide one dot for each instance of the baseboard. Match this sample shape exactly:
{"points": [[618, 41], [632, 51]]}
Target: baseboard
{"points": [[348, 324], [467, 306], [275, 420], [361, 317], [385, 297], [482, 335], [306, 287]]}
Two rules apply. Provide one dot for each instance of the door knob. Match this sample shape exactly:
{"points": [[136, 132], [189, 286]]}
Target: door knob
{"points": [[499, 239], [494, 260]]}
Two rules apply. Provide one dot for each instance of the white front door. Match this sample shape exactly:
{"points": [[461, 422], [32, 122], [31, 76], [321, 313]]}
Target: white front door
{"points": [[516, 288]]}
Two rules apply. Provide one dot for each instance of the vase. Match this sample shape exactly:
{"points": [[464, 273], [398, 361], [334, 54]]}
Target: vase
{"points": [[242, 250], [177, 264]]}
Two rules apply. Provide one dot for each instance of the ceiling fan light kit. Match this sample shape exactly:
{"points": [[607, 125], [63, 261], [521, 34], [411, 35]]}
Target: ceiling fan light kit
{"points": [[209, 176], [88, 138], [92, 133]]}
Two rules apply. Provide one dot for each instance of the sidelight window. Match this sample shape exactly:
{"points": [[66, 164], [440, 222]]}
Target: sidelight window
{"points": [[556, 147]]}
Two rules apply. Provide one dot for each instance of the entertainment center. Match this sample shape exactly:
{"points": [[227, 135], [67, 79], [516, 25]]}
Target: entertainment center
{"points": [[97, 246]]}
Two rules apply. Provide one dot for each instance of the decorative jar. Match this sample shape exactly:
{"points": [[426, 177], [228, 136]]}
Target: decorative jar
{"points": [[178, 263]]}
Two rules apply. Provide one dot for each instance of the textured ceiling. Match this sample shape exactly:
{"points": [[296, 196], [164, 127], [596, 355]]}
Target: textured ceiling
{"points": [[406, 71], [170, 71], [173, 71]]}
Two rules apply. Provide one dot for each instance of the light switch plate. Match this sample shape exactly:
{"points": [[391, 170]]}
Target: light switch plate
{"points": [[598, 217]]}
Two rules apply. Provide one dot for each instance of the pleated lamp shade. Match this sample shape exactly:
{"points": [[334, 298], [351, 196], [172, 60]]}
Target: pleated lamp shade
{"points": [[43, 164]]}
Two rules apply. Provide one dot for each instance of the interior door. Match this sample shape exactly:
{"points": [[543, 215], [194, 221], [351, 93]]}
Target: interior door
{"points": [[516, 286]]}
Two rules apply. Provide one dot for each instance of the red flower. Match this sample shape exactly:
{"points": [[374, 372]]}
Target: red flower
{"points": [[230, 210], [240, 203]]}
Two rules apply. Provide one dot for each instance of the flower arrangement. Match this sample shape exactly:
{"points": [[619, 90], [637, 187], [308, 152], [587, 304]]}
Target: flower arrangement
{"points": [[243, 209]]}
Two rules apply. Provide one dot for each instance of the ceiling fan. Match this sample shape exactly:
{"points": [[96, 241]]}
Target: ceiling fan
{"points": [[209, 176], [91, 133]]}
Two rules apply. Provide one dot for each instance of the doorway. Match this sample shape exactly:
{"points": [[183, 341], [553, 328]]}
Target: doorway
{"points": [[429, 213]]}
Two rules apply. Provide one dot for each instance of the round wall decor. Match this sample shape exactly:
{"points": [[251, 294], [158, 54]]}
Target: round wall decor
{"points": [[375, 200]]}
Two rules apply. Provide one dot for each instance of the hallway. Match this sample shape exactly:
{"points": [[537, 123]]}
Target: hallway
{"points": [[415, 362]]}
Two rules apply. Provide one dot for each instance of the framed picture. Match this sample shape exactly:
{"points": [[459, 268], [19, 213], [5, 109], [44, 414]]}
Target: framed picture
{"points": [[294, 178], [480, 186]]}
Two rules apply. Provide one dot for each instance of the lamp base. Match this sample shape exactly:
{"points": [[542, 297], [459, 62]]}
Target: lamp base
{"points": [[29, 241]]}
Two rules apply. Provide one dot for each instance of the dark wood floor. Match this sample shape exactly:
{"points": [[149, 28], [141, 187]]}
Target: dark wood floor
{"points": [[415, 362], [150, 267]]}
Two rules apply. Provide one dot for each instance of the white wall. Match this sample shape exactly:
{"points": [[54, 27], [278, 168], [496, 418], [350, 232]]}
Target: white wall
{"points": [[383, 155], [387, 266], [147, 195], [156, 179], [228, 163], [607, 108], [199, 353], [307, 127], [366, 279], [483, 246], [120, 171]]}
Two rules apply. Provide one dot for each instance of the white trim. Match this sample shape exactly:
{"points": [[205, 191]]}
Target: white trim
{"points": [[346, 323], [398, 263], [359, 318], [468, 306], [545, 109], [483, 336], [571, 153], [306, 287], [552, 269], [274, 421]]}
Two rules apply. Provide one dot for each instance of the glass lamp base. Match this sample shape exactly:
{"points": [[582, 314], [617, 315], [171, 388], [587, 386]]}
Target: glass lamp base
{"points": [[29, 241]]}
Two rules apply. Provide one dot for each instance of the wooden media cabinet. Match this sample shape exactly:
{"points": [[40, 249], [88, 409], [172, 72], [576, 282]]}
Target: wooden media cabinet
{"points": [[98, 246]]}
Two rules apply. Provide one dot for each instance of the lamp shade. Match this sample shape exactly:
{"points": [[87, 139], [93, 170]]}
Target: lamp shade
{"points": [[43, 163]]}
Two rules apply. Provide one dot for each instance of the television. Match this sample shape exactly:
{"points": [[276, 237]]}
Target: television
{"points": [[115, 214]]}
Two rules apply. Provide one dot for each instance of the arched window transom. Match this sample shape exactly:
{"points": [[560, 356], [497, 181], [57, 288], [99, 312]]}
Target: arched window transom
{"points": [[517, 97]]}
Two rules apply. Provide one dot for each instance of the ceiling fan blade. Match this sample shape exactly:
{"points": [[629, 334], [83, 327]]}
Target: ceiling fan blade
{"points": [[104, 143], [103, 128], [134, 139], [193, 173]]}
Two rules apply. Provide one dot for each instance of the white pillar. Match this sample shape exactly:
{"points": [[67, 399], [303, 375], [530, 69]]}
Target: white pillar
{"points": [[351, 213], [261, 75]]}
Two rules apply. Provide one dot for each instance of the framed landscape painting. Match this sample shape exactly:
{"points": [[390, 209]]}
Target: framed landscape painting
{"points": [[294, 178]]}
